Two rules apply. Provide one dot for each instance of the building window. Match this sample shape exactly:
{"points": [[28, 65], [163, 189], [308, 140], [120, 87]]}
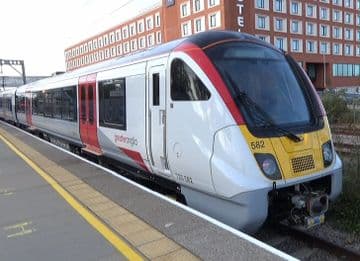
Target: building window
{"points": [[337, 32], [348, 49], [214, 20], [348, 3], [140, 26], [348, 19], [337, 49], [118, 35], [132, 29], [324, 48], [280, 43], [348, 34], [157, 20], [262, 22], [280, 24], [186, 29], [337, 2], [324, 13], [295, 26], [158, 37], [358, 54], [295, 8], [112, 103], [150, 40], [133, 45], [358, 35], [213, 3], [324, 30], [296, 45], [149, 23], [142, 42], [199, 25], [264, 38], [126, 47], [310, 28], [198, 5], [260, 4], [311, 46], [280, 6], [119, 49], [185, 9], [337, 16], [311, 11], [125, 32]]}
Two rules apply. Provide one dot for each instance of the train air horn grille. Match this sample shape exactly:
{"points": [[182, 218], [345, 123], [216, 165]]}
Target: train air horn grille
{"points": [[302, 163]]}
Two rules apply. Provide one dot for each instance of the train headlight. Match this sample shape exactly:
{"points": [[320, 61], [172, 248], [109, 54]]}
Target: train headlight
{"points": [[327, 152], [268, 165]]}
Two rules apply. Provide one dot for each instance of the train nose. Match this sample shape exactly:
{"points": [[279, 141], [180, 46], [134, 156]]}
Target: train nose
{"points": [[317, 205]]}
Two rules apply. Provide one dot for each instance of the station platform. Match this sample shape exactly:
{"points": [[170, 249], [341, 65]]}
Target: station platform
{"points": [[57, 206]]}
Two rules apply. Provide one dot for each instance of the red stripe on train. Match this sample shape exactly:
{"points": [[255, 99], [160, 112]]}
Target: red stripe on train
{"points": [[135, 156]]}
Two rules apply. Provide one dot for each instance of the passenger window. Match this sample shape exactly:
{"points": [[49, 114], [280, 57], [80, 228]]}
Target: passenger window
{"points": [[83, 105], [91, 103], [112, 101], [156, 89], [185, 85]]}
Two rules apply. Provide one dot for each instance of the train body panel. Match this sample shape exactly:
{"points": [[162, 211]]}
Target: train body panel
{"points": [[122, 128], [200, 112], [7, 107]]}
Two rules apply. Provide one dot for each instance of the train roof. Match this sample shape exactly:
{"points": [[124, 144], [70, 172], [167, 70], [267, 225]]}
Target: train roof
{"points": [[201, 39]]}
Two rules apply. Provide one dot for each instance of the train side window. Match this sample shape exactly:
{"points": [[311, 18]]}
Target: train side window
{"points": [[91, 103], [82, 104], [112, 103], [49, 104], [156, 89], [185, 84], [35, 103], [68, 99], [57, 103]]}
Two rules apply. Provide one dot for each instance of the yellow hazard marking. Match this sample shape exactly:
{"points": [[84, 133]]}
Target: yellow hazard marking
{"points": [[97, 224], [19, 229], [6, 192]]}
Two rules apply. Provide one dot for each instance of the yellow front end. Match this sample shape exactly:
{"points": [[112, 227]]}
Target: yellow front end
{"points": [[295, 159]]}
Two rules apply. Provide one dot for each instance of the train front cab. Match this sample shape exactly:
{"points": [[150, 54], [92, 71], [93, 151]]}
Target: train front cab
{"points": [[280, 143]]}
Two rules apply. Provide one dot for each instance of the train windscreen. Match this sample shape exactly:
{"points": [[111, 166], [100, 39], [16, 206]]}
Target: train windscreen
{"points": [[262, 83]]}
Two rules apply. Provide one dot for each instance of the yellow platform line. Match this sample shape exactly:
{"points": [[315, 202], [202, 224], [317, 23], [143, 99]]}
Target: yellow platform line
{"points": [[97, 224]]}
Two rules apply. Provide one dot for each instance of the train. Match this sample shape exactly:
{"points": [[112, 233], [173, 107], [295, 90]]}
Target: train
{"points": [[229, 122]]}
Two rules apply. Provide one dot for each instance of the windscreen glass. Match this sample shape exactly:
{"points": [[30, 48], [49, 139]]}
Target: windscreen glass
{"points": [[262, 82]]}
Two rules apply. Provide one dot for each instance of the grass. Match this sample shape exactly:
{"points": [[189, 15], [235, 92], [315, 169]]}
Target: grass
{"points": [[345, 212]]}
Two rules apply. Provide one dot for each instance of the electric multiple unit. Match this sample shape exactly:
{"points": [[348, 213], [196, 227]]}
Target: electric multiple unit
{"points": [[232, 121]]}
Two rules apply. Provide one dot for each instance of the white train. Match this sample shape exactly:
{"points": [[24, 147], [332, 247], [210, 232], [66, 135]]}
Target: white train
{"points": [[233, 122]]}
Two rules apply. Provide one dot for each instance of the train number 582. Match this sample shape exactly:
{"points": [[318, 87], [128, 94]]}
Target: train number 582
{"points": [[256, 145]]}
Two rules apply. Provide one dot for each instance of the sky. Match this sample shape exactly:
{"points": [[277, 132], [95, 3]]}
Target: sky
{"points": [[38, 31]]}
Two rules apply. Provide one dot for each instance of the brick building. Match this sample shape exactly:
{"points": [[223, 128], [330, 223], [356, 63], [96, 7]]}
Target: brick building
{"points": [[322, 35]]}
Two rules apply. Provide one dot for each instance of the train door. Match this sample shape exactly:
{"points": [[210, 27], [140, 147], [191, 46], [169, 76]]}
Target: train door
{"points": [[157, 119], [88, 114], [28, 110]]}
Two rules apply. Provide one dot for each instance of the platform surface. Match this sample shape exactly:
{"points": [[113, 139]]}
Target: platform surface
{"points": [[37, 224], [55, 206]]}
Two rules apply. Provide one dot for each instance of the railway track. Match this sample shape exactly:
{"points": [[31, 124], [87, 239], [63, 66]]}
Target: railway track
{"points": [[304, 245]]}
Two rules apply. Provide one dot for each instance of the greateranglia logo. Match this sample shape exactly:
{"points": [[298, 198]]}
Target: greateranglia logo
{"points": [[126, 140], [170, 3]]}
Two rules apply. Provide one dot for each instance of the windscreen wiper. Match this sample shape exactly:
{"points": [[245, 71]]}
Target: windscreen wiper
{"points": [[266, 120]]}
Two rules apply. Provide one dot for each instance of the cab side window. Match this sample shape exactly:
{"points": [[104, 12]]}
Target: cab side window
{"points": [[185, 84]]}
